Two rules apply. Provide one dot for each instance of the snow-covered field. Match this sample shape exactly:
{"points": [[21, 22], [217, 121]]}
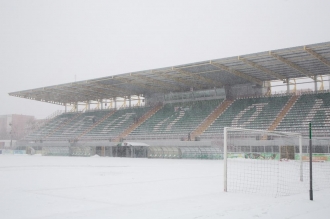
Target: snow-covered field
{"points": [[104, 187]]}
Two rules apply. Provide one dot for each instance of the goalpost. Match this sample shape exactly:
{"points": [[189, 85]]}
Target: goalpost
{"points": [[259, 161]]}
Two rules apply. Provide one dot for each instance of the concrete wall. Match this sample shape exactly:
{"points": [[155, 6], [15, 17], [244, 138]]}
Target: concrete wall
{"points": [[245, 90], [108, 143]]}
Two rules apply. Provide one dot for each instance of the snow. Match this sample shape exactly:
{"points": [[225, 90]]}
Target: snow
{"points": [[103, 187]]}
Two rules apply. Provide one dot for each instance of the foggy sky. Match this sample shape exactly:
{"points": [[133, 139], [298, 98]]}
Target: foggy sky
{"points": [[45, 43]]}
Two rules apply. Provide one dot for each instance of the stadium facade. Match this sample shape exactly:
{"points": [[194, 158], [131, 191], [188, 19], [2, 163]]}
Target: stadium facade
{"points": [[187, 105]]}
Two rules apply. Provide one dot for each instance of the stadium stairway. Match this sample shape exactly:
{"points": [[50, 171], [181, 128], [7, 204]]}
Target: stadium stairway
{"points": [[115, 124], [79, 125], [141, 120], [310, 107], [97, 123], [210, 119], [175, 120], [249, 113], [282, 114]]}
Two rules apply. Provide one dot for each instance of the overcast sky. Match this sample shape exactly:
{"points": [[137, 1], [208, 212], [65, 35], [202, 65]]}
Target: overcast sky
{"points": [[46, 43]]}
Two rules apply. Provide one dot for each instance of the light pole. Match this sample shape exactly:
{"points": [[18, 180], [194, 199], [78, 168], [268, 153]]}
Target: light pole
{"points": [[11, 135]]}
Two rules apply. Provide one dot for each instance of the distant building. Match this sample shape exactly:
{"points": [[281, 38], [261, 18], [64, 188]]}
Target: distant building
{"points": [[15, 126]]}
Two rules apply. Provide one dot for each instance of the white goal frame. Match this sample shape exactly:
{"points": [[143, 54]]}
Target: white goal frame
{"points": [[225, 132]]}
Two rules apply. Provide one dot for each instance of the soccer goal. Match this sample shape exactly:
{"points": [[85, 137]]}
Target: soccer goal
{"points": [[259, 161]]}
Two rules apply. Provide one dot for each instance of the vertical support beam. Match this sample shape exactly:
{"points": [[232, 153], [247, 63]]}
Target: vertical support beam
{"points": [[310, 164], [295, 86], [129, 101], [115, 100], [139, 101], [76, 106], [322, 84], [65, 107], [101, 101], [124, 102], [288, 86], [301, 160], [88, 104], [73, 107], [315, 84], [110, 104], [225, 159]]}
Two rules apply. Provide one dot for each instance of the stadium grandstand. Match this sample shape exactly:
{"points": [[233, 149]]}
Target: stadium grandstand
{"points": [[181, 111]]}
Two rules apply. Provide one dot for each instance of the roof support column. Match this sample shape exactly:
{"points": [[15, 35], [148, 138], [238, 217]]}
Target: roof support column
{"points": [[101, 101], [65, 107], [110, 104], [129, 101], [76, 107], [315, 84], [287, 85], [88, 104], [139, 101], [115, 101]]}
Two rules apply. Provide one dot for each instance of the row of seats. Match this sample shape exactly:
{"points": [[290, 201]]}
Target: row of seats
{"points": [[177, 120], [108, 124], [78, 125], [114, 125], [314, 108], [250, 113], [48, 128]]}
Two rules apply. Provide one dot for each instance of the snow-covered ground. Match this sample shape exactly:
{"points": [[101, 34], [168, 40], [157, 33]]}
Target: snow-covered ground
{"points": [[104, 187]]}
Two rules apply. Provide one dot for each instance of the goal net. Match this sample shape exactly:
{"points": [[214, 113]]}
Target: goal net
{"points": [[267, 162], [273, 163]]}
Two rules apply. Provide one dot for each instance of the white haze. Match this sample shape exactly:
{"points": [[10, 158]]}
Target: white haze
{"points": [[46, 43]]}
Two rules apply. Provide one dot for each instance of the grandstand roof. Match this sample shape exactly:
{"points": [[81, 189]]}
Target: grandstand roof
{"points": [[283, 64]]}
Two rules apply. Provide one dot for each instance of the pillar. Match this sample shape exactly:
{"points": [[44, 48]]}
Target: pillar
{"points": [[88, 104], [315, 84], [287, 85]]}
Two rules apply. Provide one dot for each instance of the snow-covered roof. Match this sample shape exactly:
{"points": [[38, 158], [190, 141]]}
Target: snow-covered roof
{"points": [[283, 64]]}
